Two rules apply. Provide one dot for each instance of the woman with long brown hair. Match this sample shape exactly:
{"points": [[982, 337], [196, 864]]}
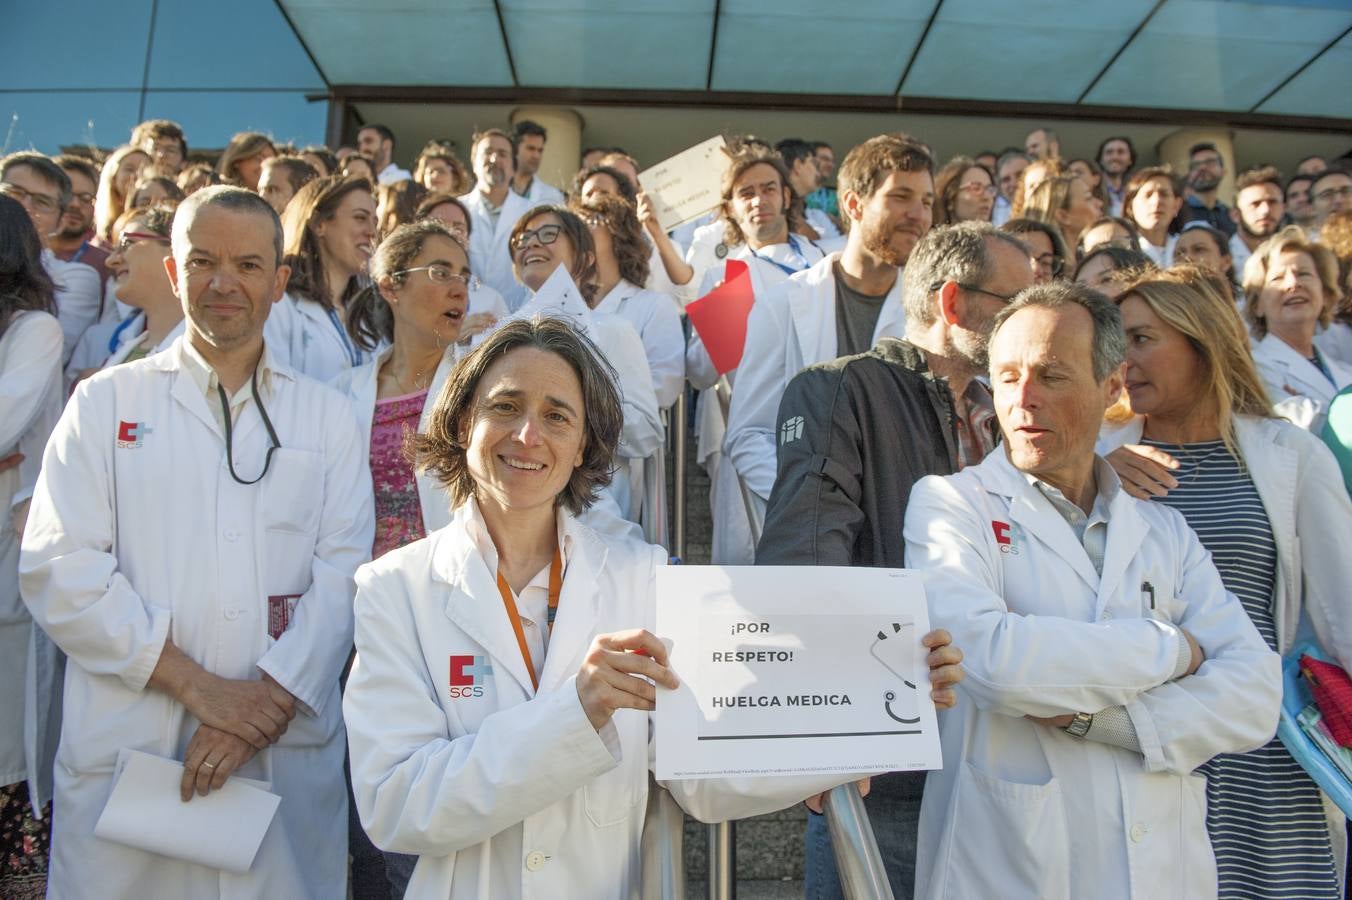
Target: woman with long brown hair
{"points": [[330, 228], [241, 162]]}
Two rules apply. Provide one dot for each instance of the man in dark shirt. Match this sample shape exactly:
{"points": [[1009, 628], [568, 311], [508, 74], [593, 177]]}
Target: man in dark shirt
{"points": [[856, 433], [1206, 170]]}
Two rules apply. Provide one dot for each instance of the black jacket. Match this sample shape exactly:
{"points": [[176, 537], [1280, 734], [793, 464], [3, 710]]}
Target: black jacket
{"points": [[854, 435]]}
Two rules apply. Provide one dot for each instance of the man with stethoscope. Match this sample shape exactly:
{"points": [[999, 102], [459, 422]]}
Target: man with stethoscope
{"points": [[841, 306], [191, 546]]}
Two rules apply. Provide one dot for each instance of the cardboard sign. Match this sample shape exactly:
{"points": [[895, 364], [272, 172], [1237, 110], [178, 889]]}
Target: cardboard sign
{"points": [[720, 316], [559, 297], [687, 185]]}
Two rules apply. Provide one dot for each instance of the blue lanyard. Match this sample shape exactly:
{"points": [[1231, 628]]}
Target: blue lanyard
{"points": [[117, 332], [81, 252], [786, 269], [353, 354]]}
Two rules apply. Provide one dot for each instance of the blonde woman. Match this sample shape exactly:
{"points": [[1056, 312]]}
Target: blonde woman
{"points": [[1257, 492], [117, 180], [1066, 203], [1291, 290]]}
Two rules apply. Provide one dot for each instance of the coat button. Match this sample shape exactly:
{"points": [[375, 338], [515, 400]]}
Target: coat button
{"points": [[535, 860], [231, 615], [1138, 833], [231, 534]]}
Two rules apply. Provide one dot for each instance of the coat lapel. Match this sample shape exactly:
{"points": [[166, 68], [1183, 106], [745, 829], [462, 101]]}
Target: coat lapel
{"points": [[473, 602], [1035, 514], [1126, 530], [812, 308], [575, 623], [892, 317]]}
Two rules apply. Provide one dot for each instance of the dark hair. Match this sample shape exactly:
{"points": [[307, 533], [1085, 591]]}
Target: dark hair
{"points": [[1202, 147], [1122, 258], [157, 219], [45, 168], [1331, 171], [192, 172], [441, 450], [299, 173], [817, 145], [369, 318], [361, 158], [70, 163], [583, 268], [626, 234], [432, 201], [444, 152], [383, 131], [1109, 347], [317, 201], [947, 184], [230, 197], [741, 163], [1126, 224], [791, 150], [1259, 175], [24, 283], [169, 185], [1059, 248], [1131, 148], [325, 156], [527, 127], [401, 200], [622, 184]]}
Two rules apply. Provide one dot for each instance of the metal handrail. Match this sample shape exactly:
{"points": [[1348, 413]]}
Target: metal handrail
{"points": [[677, 431], [858, 862]]}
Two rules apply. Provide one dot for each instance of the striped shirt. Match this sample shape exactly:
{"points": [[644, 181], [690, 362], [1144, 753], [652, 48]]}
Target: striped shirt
{"points": [[1264, 814]]}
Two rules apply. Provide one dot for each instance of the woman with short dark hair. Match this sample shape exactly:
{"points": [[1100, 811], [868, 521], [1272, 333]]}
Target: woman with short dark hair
{"points": [[500, 706]]}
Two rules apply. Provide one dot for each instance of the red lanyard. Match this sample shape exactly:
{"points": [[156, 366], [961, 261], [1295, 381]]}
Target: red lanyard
{"points": [[555, 586]]}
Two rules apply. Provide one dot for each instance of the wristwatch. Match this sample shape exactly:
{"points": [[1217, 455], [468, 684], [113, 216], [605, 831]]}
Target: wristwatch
{"points": [[1079, 726]]}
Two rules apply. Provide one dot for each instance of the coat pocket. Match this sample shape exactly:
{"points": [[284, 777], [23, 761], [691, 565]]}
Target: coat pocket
{"points": [[290, 510], [1009, 839], [611, 799]]}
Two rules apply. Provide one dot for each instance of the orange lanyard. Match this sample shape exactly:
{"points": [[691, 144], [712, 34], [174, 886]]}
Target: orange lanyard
{"points": [[555, 586]]}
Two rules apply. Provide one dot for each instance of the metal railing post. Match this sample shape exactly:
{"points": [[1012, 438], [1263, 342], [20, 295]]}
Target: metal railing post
{"points": [[678, 425], [860, 865], [722, 861]]}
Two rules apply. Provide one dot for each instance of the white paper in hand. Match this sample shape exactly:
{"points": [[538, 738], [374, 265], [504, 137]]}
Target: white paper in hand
{"points": [[559, 297], [222, 830]]}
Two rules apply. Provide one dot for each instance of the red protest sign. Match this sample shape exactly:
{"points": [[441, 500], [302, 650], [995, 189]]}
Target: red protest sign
{"points": [[720, 316]]}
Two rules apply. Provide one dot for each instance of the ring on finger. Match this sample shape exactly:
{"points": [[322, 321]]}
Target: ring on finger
{"points": [[207, 765]]}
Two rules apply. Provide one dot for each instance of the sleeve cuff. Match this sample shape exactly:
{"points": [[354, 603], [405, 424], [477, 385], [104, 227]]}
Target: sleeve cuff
{"points": [[1113, 726], [1184, 655]]}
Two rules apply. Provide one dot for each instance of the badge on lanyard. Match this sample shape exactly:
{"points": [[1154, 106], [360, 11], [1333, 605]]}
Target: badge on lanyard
{"points": [[721, 250]]}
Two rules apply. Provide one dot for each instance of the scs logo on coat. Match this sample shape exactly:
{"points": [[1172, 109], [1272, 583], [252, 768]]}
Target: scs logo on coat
{"points": [[130, 435], [468, 675]]}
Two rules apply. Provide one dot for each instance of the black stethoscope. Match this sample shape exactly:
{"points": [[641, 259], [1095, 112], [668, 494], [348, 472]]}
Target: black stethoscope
{"points": [[229, 431]]}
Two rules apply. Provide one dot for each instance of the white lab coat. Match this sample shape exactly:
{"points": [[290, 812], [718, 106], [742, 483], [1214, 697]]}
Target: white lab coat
{"points": [[1292, 471], [130, 543], [731, 540], [1335, 342], [542, 192], [31, 394], [308, 337], [512, 793], [392, 174], [489, 255], [658, 322], [1021, 809], [79, 298], [792, 327], [1160, 256], [1298, 390]]}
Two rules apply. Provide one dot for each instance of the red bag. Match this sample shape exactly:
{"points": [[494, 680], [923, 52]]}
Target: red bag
{"points": [[1332, 690]]}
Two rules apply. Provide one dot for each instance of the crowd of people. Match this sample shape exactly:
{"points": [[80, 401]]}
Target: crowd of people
{"points": [[304, 487]]}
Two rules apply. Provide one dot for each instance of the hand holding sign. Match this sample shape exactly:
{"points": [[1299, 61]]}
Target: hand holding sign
{"points": [[687, 185], [720, 316]]}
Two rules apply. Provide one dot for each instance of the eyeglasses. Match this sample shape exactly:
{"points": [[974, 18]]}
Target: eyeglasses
{"points": [[43, 202], [1344, 192], [84, 198], [135, 237], [976, 189], [545, 234], [440, 274], [973, 289]]}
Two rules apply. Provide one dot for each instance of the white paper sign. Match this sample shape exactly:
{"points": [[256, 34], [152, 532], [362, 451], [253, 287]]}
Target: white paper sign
{"points": [[687, 185], [222, 830], [789, 670], [559, 297]]}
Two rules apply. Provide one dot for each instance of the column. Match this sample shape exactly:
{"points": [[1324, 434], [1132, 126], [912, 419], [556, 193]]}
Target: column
{"points": [[563, 146]]}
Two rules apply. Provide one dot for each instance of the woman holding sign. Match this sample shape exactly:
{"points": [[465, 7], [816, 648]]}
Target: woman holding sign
{"points": [[498, 712], [549, 238]]}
